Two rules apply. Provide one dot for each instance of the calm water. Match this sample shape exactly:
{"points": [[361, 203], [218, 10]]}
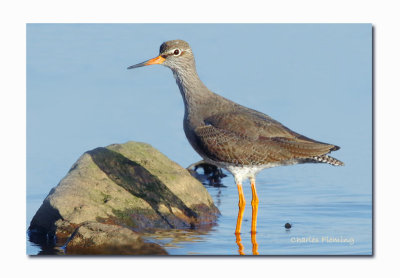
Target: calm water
{"points": [[314, 78], [312, 198], [317, 210]]}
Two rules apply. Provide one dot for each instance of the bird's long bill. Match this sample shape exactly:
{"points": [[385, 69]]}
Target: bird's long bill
{"points": [[155, 61]]}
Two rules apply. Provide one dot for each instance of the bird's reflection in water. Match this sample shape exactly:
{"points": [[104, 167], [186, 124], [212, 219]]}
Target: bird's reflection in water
{"points": [[253, 242], [212, 177], [240, 244]]}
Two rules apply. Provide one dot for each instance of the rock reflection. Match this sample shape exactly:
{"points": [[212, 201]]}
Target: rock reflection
{"points": [[172, 238]]}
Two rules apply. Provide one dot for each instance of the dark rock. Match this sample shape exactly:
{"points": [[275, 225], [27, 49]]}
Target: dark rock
{"points": [[211, 175]]}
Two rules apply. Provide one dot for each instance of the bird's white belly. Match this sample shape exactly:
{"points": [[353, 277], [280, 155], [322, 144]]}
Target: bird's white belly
{"points": [[241, 172], [244, 172]]}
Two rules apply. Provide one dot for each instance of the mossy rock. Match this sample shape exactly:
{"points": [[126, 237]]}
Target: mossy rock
{"points": [[131, 185]]}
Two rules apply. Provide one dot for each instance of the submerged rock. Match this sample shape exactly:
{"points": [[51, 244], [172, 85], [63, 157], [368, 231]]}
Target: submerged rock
{"points": [[129, 186], [102, 239]]}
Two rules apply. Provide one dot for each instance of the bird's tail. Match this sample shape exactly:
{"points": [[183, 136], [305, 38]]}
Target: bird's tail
{"points": [[328, 159]]}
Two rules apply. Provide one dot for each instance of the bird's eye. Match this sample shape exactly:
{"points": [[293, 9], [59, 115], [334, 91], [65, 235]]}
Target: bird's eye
{"points": [[176, 52]]}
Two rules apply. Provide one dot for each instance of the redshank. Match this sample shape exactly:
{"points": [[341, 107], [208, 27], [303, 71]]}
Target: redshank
{"points": [[231, 136]]}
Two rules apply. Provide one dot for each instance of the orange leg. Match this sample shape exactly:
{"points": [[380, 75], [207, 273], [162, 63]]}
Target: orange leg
{"points": [[254, 205], [242, 204]]}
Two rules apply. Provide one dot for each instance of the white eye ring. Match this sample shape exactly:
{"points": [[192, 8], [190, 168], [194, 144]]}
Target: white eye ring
{"points": [[177, 52]]}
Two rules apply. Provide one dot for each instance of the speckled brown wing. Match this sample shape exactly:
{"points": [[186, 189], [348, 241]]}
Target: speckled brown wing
{"points": [[254, 138]]}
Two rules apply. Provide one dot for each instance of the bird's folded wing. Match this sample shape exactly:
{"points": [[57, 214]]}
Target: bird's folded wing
{"points": [[253, 124], [245, 139], [250, 124]]}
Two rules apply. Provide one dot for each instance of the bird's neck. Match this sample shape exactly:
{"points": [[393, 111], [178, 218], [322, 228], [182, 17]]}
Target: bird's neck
{"points": [[194, 93]]}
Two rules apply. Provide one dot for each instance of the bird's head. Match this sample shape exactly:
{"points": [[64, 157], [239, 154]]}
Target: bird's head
{"points": [[175, 54]]}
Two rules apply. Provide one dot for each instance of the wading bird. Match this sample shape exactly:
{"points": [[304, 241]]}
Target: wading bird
{"points": [[231, 136]]}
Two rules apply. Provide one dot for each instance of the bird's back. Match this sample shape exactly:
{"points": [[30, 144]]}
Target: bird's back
{"points": [[231, 133]]}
